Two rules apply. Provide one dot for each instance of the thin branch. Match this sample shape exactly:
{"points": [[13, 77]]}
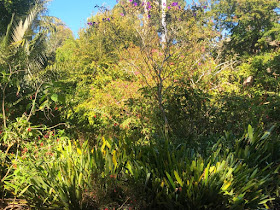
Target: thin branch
{"points": [[34, 102], [4, 96], [224, 67], [123, 203], [49, 128]]}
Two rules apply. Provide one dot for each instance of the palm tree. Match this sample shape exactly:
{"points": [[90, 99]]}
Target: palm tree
{"points": [[22, 53]]}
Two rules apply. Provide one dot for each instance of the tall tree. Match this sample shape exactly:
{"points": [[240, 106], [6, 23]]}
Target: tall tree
{"points": [[22, 59], [171, 33], [20, 8], [247, 22]]}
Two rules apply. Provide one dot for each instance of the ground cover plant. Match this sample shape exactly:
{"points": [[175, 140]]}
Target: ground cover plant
{"points": [[156, 105]]}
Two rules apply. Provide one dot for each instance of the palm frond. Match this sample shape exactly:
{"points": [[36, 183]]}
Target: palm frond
{"points": [[5, 41], [21, 28], [50, 23], [35, 50]]}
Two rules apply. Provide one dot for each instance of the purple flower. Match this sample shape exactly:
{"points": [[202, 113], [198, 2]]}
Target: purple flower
{"points": [[169, 7], [174, 4], [122, 14], [142, 4], [204, 7], [149, 16], [108, 19], [90, 23], [194, 14], [179, 7], [130, 0], [164, 4], [149, 7], [199, 64], [135, 4]]}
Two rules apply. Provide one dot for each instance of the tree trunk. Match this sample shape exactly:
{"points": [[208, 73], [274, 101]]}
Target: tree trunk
{"points": [[3, 107], [146, 13], [163, 23], [160, 103], [164, 44]]}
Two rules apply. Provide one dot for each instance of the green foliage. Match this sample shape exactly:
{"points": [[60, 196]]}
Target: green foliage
{"points": [[172, 112], [249, 23], [8, 8], [60, 174], [170, 176]]}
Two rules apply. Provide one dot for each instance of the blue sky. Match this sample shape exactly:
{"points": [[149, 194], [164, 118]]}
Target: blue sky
{"points": [[75, 12]]}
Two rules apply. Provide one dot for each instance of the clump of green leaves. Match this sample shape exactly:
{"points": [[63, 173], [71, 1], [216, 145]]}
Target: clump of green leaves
{"points": [[63, 174]]}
